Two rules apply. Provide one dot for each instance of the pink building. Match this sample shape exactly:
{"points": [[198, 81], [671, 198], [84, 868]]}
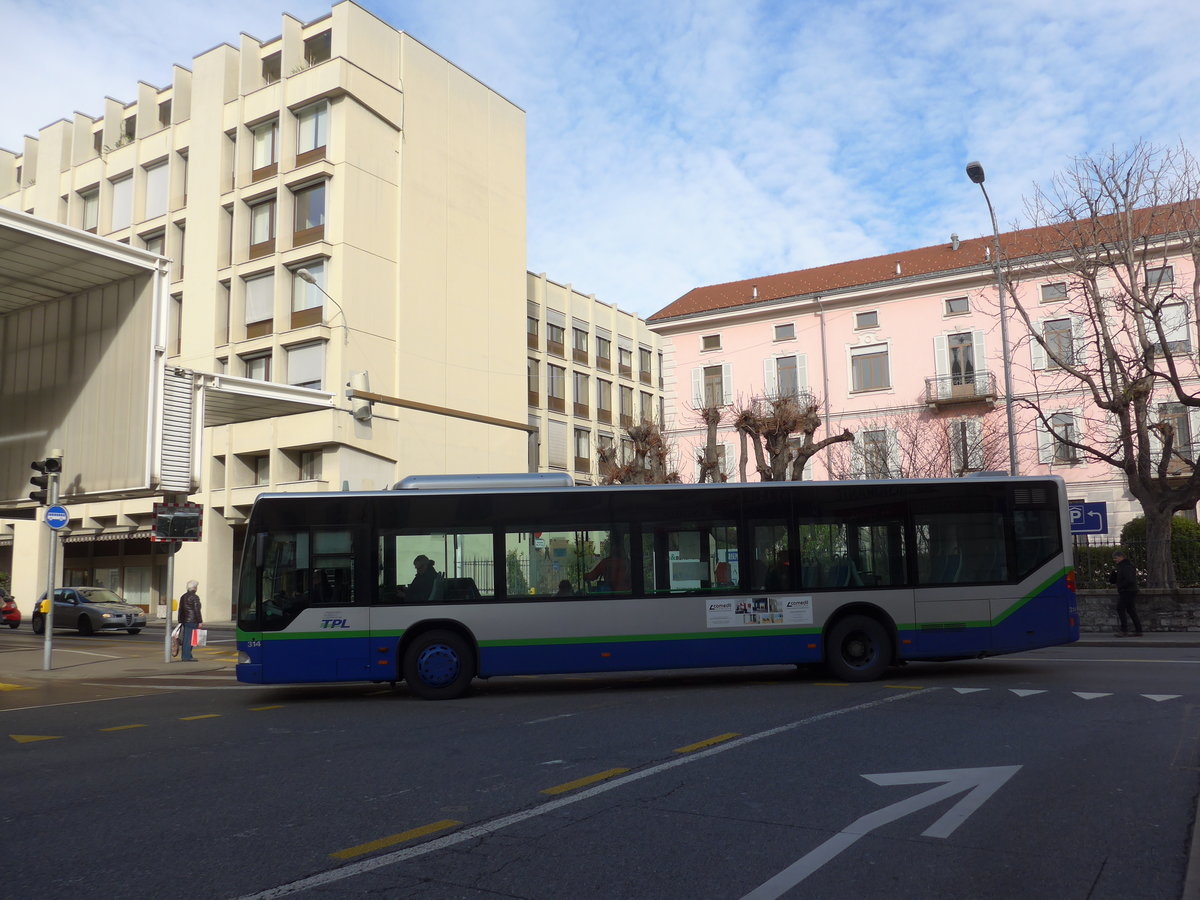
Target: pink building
{"points": [[905, 352]]}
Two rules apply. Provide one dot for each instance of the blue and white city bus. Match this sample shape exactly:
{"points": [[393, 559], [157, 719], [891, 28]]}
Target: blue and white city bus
{"points": [[449, 578]]}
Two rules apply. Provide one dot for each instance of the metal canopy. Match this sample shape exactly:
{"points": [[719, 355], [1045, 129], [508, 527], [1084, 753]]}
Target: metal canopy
{"points": [[41, 260], [228, 399]]}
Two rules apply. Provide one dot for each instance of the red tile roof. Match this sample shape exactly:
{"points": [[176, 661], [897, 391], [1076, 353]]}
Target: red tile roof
{"points": [[934, 260]]}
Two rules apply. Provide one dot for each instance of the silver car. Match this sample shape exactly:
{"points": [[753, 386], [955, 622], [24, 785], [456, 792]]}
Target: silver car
{"points": [[90, 609]]}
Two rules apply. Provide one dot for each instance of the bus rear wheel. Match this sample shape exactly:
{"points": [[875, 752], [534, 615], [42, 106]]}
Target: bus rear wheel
{"points": [[439, 665], [858, 648]]}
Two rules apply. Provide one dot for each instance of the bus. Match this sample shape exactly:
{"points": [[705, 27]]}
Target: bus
{"points": [[444, 579]]}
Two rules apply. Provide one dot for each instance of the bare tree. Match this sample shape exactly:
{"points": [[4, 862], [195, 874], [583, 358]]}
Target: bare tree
{"points": [[649, 462], [709, 459], [1108, 229], [768, 427]]}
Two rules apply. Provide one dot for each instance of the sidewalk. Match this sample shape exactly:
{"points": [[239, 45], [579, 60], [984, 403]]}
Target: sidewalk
{"points": [[1149, 639], [78, 662]]}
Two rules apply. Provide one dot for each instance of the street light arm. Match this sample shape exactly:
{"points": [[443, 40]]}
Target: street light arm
{"points": [[307, 277]]}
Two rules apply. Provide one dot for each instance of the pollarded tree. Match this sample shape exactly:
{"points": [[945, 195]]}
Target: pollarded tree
{"points": [[781, 431], [648, 462], [1111, 233]]}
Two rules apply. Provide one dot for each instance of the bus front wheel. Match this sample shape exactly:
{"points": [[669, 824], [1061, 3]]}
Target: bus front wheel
{"points": [[858, 649], [439, 665]]}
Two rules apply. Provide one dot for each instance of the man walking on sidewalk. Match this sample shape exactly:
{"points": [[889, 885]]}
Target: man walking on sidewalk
{"points": [[1125, 578], [190, 618]]}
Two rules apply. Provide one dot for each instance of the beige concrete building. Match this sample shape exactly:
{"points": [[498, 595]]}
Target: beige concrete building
{"points": [[395, 182], [593, 370]]}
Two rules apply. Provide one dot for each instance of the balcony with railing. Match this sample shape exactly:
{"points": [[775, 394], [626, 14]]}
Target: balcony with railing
{"points": [[946, 390]]}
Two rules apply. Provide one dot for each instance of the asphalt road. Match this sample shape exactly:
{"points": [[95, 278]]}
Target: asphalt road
{"points": [[1069, 772]]}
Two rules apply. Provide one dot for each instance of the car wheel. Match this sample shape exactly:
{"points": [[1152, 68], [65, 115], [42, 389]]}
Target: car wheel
{"points": [[39, 624], [14, 624], [85, 625], [439, 665], [858, 648], [134, 630]]}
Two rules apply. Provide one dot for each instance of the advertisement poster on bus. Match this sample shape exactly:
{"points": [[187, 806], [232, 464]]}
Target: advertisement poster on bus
{"points": [[733, 612]]}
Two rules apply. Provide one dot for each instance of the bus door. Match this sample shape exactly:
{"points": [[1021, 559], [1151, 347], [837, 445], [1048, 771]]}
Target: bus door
{"points": [[315, 617]]}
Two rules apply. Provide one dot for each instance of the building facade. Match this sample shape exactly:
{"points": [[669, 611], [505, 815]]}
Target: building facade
{"points": [[905, 352], [342, 207], [593, 371]]}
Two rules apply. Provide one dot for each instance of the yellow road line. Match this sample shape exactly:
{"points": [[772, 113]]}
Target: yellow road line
{"points": [[372, 846], [584, 782], [264, 708], [13, 687], [122, 727], [720, 738], [194, 718]]}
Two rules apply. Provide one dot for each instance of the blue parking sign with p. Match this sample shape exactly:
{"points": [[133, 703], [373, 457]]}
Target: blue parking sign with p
{"points": [[1089, 518]]}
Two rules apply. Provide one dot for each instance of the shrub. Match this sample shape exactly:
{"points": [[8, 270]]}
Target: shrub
{"points": [[1185, 547]]}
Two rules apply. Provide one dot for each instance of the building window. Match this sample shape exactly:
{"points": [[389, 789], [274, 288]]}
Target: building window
{"points": [[1063, 426], [604, 401], [956, 306], [258, 366], [157, 185], [262, 228], [875, 452], [308, 299], [647, 410], [1173, 319], [318, 48], [604, 354], [175, 323], [164, 113], [787, 378], [122, 203], [961, 348], [272, 68], [310, 465], [531, 378], [581, 393], [155, 243], [710, 342], [626, 400], [1178, 417], [260, 305], [265, 155], [869, 370], [309, 223], [312, 124], [531, 332], [625, 362], [866, 320], [1163, 276], [555, 336], [1060, 343], [714, 386], [556, 388], [91, 209], [583, 450], [306, 365], [645, 376], [785, 332], [966, 446], [262, 470], [129, 129], [1055, 292], [579, 345]]}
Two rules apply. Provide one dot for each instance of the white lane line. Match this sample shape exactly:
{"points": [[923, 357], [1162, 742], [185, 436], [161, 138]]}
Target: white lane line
{"points": [[478, 831], [549, 719], [1182, 662]]}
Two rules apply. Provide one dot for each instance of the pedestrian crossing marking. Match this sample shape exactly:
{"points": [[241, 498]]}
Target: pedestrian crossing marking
{"points": [[1020, 692], [1159, 698], [1086, 696], [970, 690]]}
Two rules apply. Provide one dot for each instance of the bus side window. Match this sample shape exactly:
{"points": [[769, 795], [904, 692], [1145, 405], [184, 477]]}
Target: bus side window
{"points": [[690, 556], [772, 560]]}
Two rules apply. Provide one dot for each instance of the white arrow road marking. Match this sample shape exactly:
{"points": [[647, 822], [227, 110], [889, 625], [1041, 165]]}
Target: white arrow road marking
{"points": [[969, 690], [980, 784], [1025, 693], [1081, 695], [1159, 698]]}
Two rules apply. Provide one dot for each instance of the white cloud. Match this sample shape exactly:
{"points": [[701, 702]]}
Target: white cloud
{"points": [[682, 143]]}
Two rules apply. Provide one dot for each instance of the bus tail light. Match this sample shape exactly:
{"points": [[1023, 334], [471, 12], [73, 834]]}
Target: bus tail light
{"points": [[1071, 580]]}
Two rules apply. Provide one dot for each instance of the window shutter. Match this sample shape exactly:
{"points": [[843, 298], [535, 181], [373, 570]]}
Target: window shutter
{"points": [[306, 364], [978, 348], [941, 365], [260, 299], [556, 434], [893, 454], [1079, 338], [727, 383], [1045, 443], [801, 373], [698, 387], [770, 378], [1037, 351], [974, 437]]}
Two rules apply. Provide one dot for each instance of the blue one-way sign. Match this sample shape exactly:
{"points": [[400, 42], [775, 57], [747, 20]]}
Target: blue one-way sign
{"points": [[57, 517], [1089, 518]]}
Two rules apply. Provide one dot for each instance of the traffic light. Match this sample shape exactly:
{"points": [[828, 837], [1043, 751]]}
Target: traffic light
{"points": [[47, 482]]}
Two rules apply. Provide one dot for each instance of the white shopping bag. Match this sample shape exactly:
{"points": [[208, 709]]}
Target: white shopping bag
{"points": [[199, 637]]}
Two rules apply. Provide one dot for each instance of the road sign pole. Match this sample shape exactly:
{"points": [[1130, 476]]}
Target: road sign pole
{"points": [[51, 568], [170, 600]]}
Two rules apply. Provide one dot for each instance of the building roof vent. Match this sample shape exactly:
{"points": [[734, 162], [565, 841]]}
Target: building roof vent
{"points": [[754, 292], [954, 242], [897, 268]]}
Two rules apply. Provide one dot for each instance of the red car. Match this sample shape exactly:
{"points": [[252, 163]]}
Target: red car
{"points": [[9, 614]]}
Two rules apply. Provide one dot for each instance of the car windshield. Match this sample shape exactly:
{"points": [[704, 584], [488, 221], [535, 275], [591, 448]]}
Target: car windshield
{"points": [[99, 595]]}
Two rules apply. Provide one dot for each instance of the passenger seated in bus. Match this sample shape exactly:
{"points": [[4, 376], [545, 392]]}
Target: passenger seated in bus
{"points": [[612, 572], [723, 576], [421, 588]]}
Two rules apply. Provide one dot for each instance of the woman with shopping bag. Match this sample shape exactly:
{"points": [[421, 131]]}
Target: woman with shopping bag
{"points": [[190, 619]]}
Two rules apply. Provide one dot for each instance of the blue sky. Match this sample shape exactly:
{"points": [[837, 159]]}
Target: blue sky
{"points": [[675, 144]]}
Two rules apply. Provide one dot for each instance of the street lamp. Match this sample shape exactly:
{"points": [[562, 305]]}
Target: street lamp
{"points": [[975, 173], [307, 277]]}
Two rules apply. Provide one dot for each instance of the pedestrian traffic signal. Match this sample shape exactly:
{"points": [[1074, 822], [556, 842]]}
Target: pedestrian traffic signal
{"points": [[47, 482]]}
